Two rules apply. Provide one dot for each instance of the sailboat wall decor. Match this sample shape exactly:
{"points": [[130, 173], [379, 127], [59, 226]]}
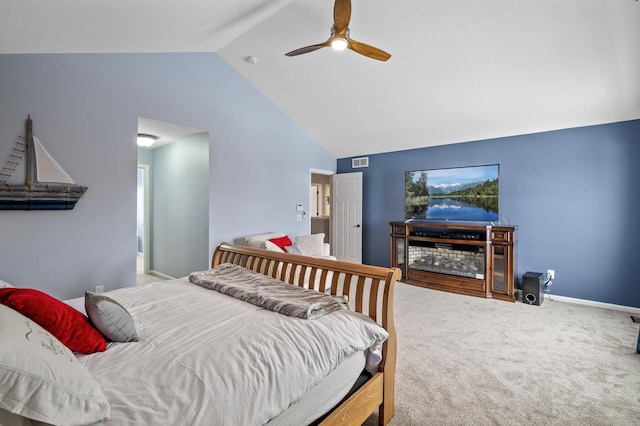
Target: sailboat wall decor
{"points": [[47, 186]]}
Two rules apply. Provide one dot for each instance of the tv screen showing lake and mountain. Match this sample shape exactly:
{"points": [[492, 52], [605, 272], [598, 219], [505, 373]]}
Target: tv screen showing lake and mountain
{"points": [[463, 193]]}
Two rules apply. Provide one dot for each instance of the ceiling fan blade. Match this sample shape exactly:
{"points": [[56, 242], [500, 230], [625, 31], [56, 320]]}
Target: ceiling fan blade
{"points": [[308, 49], [369, 51], [341, 15]]}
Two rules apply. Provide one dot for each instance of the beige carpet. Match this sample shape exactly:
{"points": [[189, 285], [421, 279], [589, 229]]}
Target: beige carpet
{"points": [[469, 361], [142, 279]]}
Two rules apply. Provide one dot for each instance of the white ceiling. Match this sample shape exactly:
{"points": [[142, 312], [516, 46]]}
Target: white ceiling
{"points": [[165, 132], [460, 70]]}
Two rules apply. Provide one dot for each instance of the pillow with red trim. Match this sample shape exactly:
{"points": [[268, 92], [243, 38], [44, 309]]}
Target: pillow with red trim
{"points": [[258, 240], [67, 324], [272, 247], [281, 242]]}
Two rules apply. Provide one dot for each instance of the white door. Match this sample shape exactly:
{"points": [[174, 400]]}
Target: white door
{"points": [[347, 217]]}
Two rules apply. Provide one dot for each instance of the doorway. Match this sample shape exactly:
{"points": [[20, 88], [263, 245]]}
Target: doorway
{"points": [[173, 216], [142, 227], [320, 204]]}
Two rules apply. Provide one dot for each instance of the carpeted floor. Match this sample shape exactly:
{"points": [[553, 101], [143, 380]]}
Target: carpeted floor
{"points": [[142, 279], [469, 361]]}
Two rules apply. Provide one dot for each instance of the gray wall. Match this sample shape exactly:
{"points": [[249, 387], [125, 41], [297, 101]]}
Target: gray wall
{"points": [[180, 207], [85, 109], [573, 194]]}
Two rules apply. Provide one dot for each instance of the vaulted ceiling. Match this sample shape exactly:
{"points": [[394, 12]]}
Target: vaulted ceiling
{"points": [[460, 70]]}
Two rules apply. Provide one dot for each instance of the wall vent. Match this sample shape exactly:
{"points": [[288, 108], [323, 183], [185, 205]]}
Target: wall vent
{"points": [[359, 162]]}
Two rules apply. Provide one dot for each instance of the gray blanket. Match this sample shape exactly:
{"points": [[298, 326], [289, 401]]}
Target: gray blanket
{"points": [[267, 292]]}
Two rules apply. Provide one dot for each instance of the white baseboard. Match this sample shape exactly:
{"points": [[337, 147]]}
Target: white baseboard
{"points": [[622, 308], [160, 275]]}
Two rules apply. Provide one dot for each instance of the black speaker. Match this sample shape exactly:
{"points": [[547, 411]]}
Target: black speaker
{"points": [[533, 288]]}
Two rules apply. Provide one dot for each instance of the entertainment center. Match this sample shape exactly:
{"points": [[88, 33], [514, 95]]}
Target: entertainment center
{"points": [[465, 258]]}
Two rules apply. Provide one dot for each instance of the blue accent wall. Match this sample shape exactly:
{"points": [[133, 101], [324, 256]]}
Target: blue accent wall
{"points": [[573, 194]]}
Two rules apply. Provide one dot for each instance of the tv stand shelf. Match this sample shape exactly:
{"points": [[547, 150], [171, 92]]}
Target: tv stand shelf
{"points": [[471, 259]]}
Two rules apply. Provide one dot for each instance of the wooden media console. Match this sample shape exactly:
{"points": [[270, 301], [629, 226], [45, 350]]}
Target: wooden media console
{"points": [[471, 259]]}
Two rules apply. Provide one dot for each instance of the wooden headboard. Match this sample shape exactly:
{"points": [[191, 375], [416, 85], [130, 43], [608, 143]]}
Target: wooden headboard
{"points": [[370, 292]]}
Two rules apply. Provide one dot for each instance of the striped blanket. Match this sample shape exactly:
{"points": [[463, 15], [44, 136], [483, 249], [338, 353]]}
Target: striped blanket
{"points": [[267, 292]]}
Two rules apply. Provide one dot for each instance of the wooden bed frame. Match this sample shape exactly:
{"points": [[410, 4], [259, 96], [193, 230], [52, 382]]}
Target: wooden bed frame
{"points": [[370, 291]]}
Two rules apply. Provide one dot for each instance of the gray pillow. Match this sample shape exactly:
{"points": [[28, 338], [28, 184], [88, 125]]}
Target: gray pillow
{"points": [[292, 249], [110, 318]]}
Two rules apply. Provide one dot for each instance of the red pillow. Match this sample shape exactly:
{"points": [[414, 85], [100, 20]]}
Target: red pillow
{"points": [[281, 242], [69, 325]]}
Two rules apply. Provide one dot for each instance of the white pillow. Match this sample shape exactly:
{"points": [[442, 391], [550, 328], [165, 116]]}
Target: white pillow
{"points": [[41, 379], [4, 284], [272, 247], [258, 241], [311, 245]]}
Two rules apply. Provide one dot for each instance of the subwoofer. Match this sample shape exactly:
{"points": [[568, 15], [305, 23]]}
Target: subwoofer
{"points": [[533, 288]]}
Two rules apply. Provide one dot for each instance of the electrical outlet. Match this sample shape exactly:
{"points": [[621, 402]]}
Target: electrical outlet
{"points": [[551, 274], [99, 288]]}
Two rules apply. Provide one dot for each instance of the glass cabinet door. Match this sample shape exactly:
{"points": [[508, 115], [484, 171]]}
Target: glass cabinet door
{"points": [[498, 269], [399, 255]]}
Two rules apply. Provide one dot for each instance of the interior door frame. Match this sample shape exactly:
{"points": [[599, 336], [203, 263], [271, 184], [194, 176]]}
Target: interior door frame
{"points": [[146, 247], [326, 173]]}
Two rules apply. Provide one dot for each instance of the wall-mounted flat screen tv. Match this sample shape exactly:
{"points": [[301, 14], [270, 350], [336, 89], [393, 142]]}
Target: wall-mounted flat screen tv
{"points": [[463, 193]]}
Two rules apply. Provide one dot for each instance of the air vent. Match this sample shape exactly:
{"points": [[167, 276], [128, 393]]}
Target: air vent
{"points": [[360, 162]]}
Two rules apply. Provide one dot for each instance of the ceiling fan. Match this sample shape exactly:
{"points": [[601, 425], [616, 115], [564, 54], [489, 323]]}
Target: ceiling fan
{"points": [[340, 39]]}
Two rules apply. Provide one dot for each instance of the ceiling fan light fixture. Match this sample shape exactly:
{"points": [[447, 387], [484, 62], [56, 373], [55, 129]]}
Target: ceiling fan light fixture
{"points": [[339, 43], [340, 38], [145, 140]]}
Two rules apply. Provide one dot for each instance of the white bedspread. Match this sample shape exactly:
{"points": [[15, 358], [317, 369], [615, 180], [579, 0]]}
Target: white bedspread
{"points": [[205, 358]]}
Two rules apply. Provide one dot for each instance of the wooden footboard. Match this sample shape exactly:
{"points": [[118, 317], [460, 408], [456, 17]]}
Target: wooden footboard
{"points": [[370, 291]]}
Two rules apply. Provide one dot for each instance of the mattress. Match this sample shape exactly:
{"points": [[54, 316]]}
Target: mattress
{"points": [[324, 396], [142, 386]]}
